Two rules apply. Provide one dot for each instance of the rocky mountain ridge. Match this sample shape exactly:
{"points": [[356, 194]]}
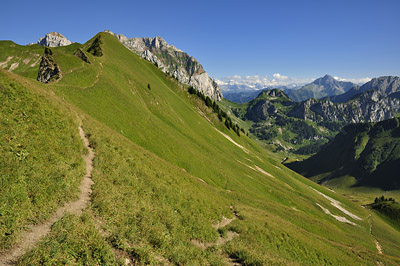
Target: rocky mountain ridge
{"points": [[378, 102], [371, 106], [54, 39], [386, 85], [303, 127], [172, 61]]}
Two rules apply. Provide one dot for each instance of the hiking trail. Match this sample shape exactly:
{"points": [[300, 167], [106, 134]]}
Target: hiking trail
{"points": [[30, 237]]}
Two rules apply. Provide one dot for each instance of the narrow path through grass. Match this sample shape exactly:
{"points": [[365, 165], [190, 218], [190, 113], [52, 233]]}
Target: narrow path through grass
{"points": [[31, 237]]}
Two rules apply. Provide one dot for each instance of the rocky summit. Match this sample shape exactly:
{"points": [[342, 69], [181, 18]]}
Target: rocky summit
{"points": [[319, 88], [172, 61], [48, 69], [386, 85], [54, 39]]}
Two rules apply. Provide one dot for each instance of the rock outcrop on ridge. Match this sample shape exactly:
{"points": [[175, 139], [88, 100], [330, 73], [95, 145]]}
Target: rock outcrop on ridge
{"points": [[174, 62], [48, 69], [54, 39]]}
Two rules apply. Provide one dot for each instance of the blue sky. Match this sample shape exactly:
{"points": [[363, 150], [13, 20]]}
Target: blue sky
{"points": [[303, 39]]}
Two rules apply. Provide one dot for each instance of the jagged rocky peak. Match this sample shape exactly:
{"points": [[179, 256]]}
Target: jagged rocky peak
{"points": [[320, 88], [327, 79], [54, 39], [173, 61]]}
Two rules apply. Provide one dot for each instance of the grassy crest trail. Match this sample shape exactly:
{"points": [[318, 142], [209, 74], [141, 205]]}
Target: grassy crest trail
{"points": [[30, 237]]}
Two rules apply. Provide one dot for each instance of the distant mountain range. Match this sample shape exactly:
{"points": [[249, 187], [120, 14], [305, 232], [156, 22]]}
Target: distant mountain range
{"points": [[275, 116], [368, 152], [323, 87], [243, 96], [375, 101]]}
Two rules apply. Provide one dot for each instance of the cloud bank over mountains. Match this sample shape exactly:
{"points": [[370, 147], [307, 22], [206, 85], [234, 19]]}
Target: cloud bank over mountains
{"points": [[356, 81], [256, 82]]}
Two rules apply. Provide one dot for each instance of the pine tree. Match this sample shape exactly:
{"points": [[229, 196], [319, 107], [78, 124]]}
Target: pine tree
{"points": [[208, 101], [227, 124], [220, 117]]}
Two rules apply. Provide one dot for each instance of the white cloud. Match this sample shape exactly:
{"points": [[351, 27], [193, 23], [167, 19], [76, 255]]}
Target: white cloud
{"points": [[279, 76], [356, 81]]}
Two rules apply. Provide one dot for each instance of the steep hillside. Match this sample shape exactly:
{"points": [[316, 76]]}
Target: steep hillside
{"points": [[319, 88], [40, 153], [368, 152], [174, 186], [173, 61]]}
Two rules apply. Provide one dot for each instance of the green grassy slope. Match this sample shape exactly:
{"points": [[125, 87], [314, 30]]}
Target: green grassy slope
{"points": [[370, 153], [40, 153], [164, 174]]}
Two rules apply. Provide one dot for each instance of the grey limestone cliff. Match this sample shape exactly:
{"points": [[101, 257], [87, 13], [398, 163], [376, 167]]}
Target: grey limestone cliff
{"points": [[386, 85], [54, 39], [371, 106], [174, 62]]}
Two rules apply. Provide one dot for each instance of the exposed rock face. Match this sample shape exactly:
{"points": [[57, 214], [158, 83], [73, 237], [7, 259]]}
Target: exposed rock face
{"points": [[54, 39], [95, 48], [266, 106], [48, 69], [173, 61], [370, 106], [388, 85], [260, 111], [80, 54]]}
